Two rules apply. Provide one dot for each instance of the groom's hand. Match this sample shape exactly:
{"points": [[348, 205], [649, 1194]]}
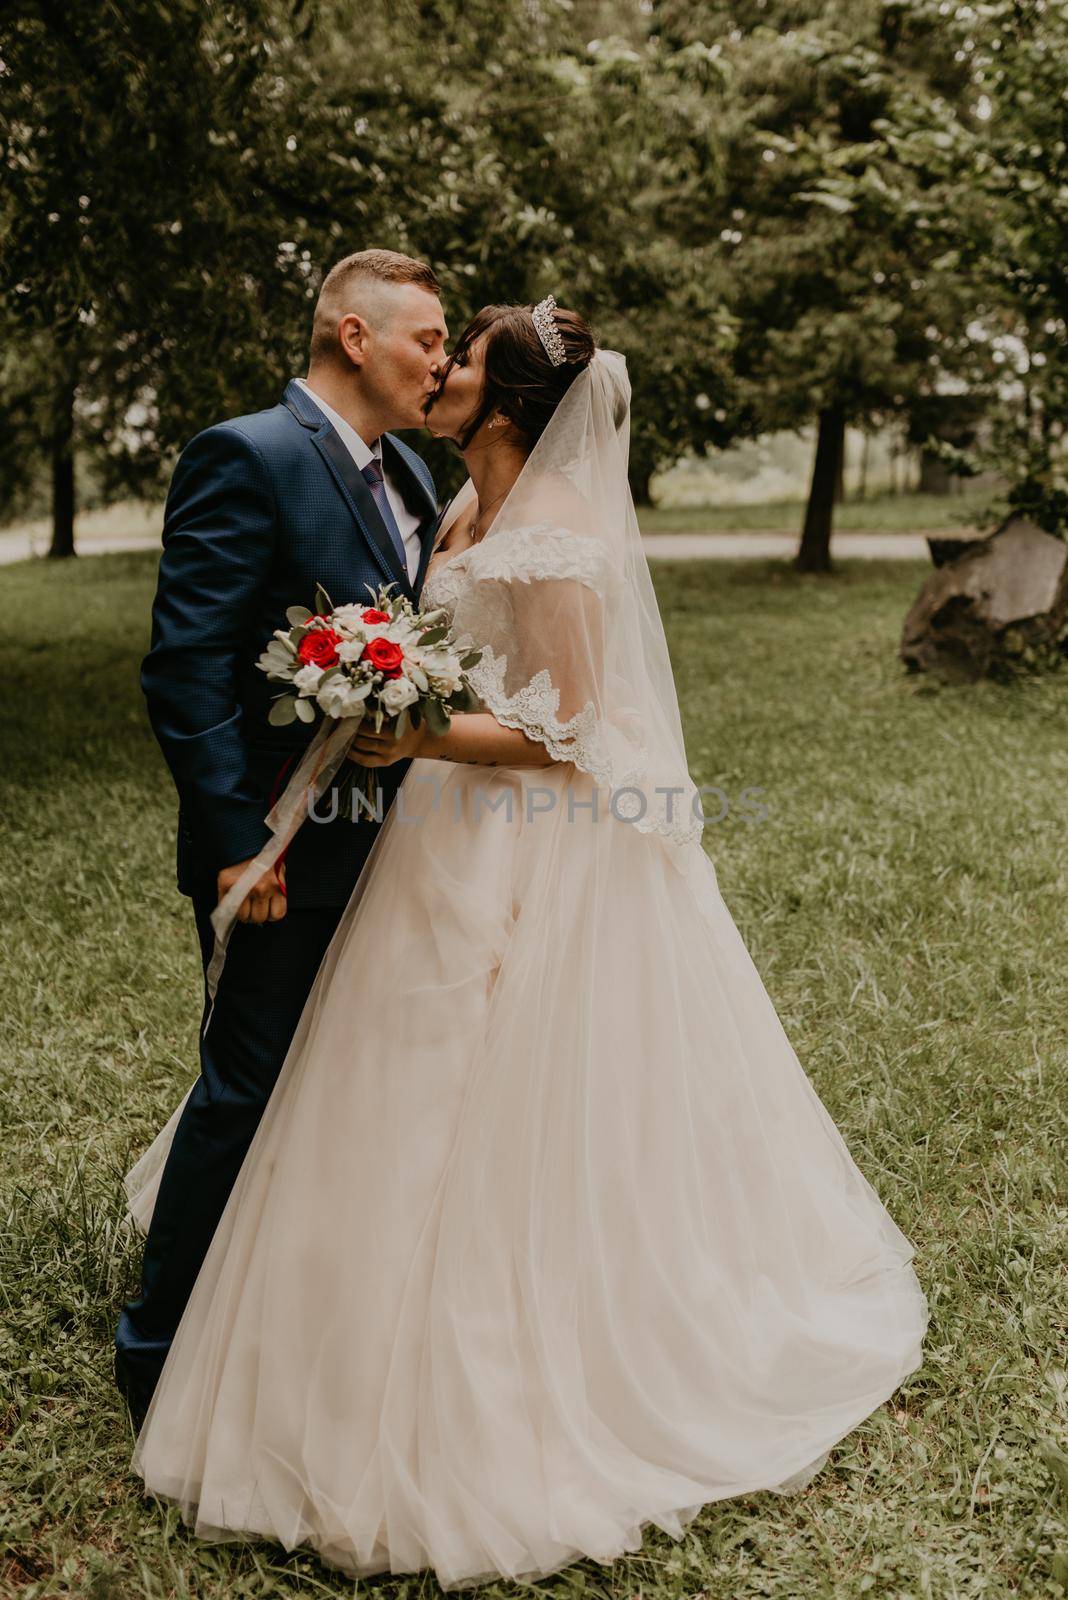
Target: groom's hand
{"points": [[265, 901]]}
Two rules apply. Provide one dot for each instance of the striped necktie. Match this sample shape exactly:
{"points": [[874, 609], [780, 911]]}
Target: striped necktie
{"points": [[372, 475]]}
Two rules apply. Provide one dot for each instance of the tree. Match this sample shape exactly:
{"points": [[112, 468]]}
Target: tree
{"points": [[844, 125], [572, 155], [115, 129], [176, 172], [1022, 170], [757, 202]]}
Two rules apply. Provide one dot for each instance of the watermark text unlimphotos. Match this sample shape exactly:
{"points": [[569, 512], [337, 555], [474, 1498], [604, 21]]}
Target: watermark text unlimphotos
{"points": [[631, 805]]}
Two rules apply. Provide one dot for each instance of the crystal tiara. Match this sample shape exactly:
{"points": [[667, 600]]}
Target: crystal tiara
{"points": [[548, 332]]}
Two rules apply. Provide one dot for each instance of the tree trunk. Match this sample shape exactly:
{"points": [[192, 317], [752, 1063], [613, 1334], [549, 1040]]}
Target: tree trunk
{"points": [[640, 479], [839, 477], [935, 476], [865, 458], [814, 554], [63, 473]]}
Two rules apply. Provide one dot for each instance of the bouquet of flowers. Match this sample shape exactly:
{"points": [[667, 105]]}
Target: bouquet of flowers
{"points": [[386, 661]]}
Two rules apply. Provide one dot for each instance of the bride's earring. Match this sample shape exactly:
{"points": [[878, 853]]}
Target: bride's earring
{"points": [[497, 421]]}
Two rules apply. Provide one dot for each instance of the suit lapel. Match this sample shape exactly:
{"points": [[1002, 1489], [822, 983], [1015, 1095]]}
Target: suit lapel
{"points": [[361, 503], [350, 481]]}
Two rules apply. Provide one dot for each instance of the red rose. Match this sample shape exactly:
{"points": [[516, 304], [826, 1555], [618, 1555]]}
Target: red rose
{"points": [[385, 656], [376, 616], [319, 648]]}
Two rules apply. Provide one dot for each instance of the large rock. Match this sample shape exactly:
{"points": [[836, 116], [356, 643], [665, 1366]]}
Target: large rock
{"points": [[1001, 606]]}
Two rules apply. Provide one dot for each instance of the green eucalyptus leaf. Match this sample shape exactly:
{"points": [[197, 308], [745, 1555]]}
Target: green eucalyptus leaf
{"points": [[465, 699], [283, 711], [437, 718]]}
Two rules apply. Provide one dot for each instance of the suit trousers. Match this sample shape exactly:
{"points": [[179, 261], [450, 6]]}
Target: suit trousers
{"points": [[267, 978]]}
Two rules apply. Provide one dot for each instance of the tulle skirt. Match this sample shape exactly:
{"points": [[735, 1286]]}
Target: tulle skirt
{"points": [[544, 1235]]}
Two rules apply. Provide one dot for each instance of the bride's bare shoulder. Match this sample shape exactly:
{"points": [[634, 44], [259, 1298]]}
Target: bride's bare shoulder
{"points": [[460, 534], [555, 499]]}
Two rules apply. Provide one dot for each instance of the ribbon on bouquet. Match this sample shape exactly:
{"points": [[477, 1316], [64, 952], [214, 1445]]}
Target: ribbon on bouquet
{"points": [[315, 771]]}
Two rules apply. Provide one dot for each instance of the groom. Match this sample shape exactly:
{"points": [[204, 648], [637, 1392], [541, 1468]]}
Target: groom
{"points": [[260, 510]]}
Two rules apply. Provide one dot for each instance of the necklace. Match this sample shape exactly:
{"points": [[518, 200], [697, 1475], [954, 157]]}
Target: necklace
{"points": [[482, 512]]}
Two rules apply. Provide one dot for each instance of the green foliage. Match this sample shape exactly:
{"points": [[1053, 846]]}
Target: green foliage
{"points": [[176, 175], [773, 207], [23, 362], [173, 197], [1022, 68], [845, 127], [1041, 492], [1027, 651]]}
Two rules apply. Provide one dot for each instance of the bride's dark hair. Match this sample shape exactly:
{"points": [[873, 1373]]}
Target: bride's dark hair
{"points": [[520, 381]]}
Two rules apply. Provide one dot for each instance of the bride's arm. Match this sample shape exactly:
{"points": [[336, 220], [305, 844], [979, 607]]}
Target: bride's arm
{"points": [[555, 649], [475, 737]]}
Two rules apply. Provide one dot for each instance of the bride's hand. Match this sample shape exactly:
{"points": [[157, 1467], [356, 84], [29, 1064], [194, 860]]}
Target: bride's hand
{"points": [[371, 749]]}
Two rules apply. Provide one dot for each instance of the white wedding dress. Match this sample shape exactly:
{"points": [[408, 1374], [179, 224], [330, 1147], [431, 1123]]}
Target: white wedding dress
{"points": [[544, 1235]]}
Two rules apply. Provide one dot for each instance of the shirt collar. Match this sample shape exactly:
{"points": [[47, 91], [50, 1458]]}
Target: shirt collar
{"points": [[361, 452]]}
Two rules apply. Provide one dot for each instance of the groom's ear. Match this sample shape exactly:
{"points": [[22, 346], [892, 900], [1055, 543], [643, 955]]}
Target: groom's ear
{"points": [[352, 333]]}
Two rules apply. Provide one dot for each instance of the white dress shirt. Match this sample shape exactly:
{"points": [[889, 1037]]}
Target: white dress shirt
{"points": [[363, 453]]}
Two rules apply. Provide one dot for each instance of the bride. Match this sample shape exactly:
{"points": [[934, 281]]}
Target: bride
{"points": [[544, 1235]]}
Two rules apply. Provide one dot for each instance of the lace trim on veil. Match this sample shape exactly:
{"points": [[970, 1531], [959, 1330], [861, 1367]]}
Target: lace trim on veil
{"points": [[613, 758]]}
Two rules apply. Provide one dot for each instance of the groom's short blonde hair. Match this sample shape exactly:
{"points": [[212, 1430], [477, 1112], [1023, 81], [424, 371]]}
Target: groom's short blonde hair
{"points": [[354, 284]]}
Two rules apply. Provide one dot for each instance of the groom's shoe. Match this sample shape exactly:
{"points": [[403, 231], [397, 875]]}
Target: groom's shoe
{"points": [[137, 1394], [138, 1364]]}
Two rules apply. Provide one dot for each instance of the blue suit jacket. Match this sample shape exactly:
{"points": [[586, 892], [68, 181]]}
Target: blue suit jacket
{"points": [[260, 510]]}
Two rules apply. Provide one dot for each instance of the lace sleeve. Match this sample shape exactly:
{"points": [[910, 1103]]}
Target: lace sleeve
{"points": [[542, 551], [535, 604]]}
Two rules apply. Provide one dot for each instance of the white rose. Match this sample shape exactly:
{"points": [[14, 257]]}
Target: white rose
{"points": [[340, 697], [396, 694], [347, 619], [402, 632], [350, 624], [307, 679], [443, 672], [351, 649]]}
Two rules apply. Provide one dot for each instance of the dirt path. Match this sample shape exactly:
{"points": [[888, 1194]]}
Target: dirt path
{"points": [[658, 546]]}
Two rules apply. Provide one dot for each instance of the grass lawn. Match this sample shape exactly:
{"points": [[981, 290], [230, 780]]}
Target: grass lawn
{"points": [[887, 513], [905, 902]]}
